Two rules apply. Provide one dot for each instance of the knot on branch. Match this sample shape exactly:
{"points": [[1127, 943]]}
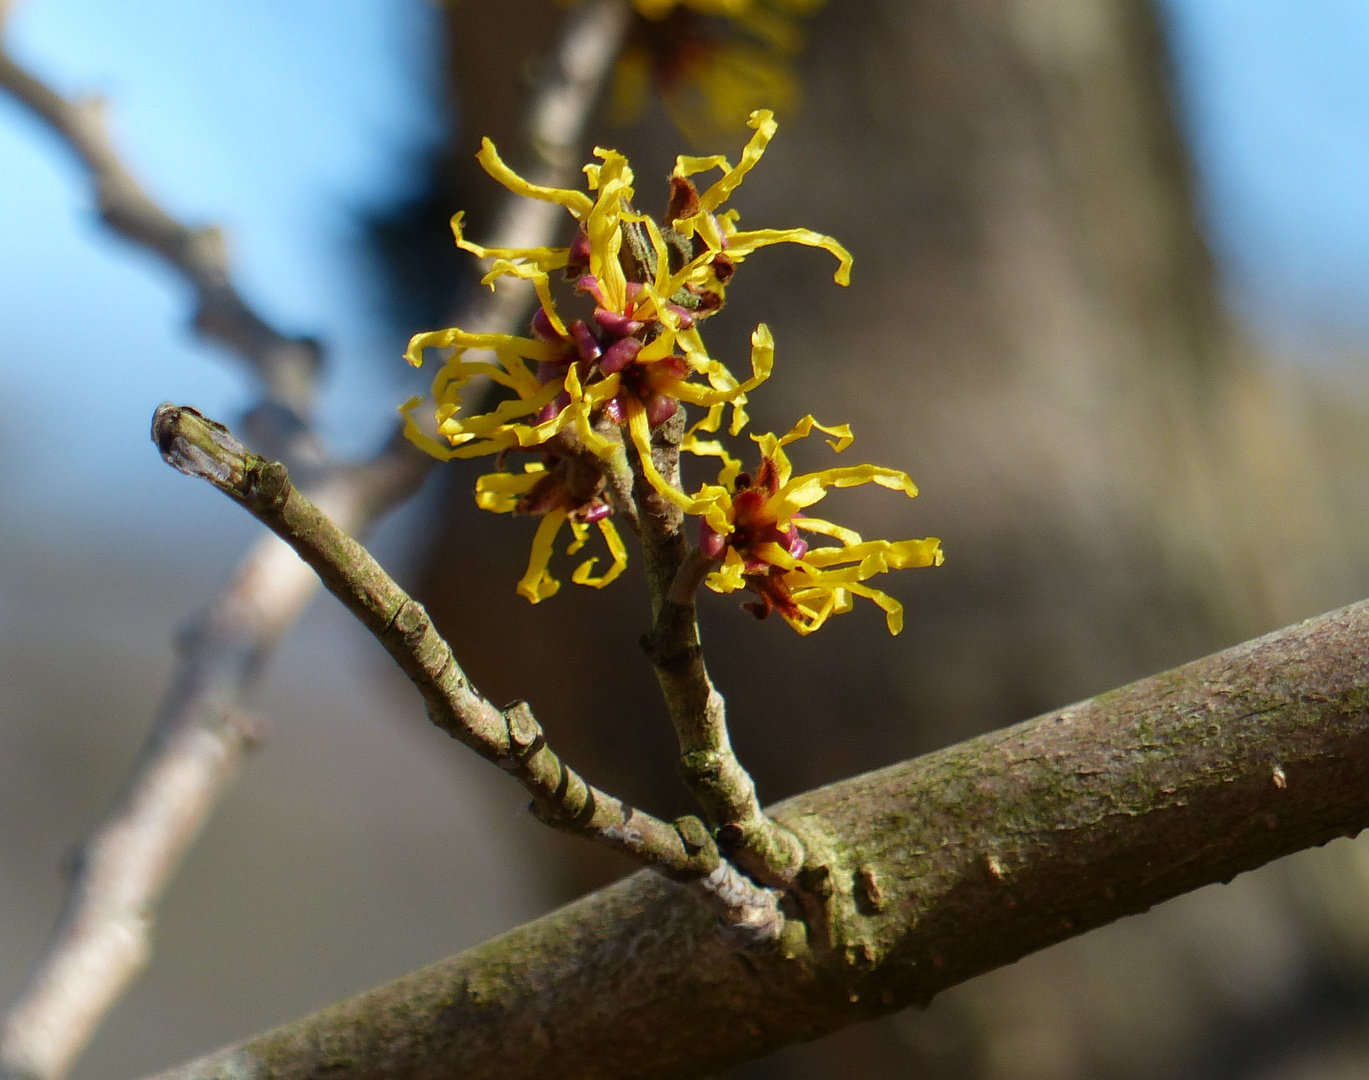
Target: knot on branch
{"points": [[694, 835], [411, 621], [525, 734], [571, 806], [702, 768]]}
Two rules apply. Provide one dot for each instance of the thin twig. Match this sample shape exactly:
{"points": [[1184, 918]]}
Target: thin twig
{"points": [[511, 737], [286, 365], [101, 940], [758, 844]]}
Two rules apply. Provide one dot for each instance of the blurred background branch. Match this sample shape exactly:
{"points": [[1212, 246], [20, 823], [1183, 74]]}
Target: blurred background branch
{"points": [[102, 939]]}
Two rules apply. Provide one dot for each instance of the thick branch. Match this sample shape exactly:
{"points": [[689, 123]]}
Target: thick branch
{"points": [[511, 738], [708, 764], [936, 870]]}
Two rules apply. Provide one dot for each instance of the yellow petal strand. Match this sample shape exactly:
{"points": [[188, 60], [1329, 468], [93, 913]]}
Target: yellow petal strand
{"points": [[689, 166], [583, 402], [730, 576], [455, 337], [842, 437], [538, 276], [726, 388], [848, 537], [876, 556], [893, 610], [501, 375], [662, 276], [763, 122], [616, 548], [711, 421], [498, 492], [809, 488], [580, 533], [817, 613], [640, 431], [544, 258], [692, 444], [742, 244], [697, 269], [537, 584], [577, 202], [906, 554], [418, 436]]}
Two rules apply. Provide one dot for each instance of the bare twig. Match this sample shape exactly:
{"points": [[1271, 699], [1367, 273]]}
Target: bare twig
{"points": [[934, 870], [102, 937], [510, 737], [286, 365], [763, 848]]}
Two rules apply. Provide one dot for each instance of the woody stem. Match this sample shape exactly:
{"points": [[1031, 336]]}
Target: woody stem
{"points": [[509, 737], [723, 788]]}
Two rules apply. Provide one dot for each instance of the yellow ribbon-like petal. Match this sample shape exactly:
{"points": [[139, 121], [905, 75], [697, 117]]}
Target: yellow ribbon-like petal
{"points": [[741, 244], [498, 492], [616, 548], [543, 258], [537, 584], [577, 202]]}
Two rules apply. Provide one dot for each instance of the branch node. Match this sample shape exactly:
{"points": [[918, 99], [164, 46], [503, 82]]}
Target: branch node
{"points": [[411, 620], [525, 733], [870, 898], [693, 834], [701, 767], [816, 879], [268, 486]]}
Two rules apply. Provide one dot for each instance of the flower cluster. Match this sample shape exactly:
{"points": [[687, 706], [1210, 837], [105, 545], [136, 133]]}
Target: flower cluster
{"points": [[581, 390], [753, 524]]}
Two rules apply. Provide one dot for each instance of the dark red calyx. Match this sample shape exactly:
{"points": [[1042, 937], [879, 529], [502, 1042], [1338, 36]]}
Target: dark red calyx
{"points": [[712, 544], [585, 341], [660, 408], [684, 199], [616, 324], [542, 328], [618, 355], [579, 249]]}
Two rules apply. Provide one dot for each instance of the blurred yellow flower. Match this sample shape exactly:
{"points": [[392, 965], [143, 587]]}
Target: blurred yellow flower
{"points": [[713, 62]]}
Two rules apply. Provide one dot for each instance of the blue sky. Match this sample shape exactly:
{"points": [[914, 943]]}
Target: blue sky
{"points": [[280, 120], [1275, 98]]}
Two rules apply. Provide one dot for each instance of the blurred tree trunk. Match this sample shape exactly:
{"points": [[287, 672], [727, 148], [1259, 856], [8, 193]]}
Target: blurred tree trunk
{"points": [[1033, 331]]}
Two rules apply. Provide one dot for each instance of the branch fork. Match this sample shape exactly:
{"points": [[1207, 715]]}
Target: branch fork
{"points": [[511, 737]]}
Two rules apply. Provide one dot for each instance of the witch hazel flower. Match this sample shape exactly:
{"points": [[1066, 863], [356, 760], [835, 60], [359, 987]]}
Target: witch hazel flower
{"points": [[581, 387], [754, 525], [565, 488]]}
